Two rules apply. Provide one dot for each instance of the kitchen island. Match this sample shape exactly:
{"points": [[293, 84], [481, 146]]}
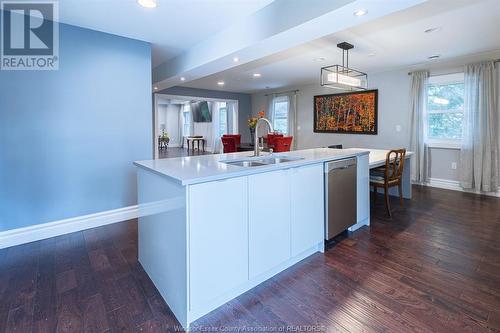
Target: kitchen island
{"points": [[215, 226]]}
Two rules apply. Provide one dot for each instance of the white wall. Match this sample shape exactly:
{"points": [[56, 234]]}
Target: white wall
{"points": [[441, 163], [168, 114], [393, 110], [393, 105]]}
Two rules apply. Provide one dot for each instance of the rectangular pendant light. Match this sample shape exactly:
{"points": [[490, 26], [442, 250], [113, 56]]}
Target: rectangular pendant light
{"points": [[343, 77]]}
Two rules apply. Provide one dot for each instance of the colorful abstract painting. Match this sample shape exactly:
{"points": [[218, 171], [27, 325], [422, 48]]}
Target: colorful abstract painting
{"points": [[354, 112]]}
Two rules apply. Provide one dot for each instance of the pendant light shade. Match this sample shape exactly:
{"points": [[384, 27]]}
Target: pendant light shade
{"points": [[341, 76]]}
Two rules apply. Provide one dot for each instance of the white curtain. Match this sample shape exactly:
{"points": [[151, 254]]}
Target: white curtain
{"points": [[181, 120], [186, 108], [232, 117], [270, 107], [418, 101], [479, 153], [180, 125], [292, 117], [216, 141]]}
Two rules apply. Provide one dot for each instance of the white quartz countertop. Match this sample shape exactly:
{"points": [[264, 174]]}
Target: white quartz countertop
{"points": [[199, 169]]}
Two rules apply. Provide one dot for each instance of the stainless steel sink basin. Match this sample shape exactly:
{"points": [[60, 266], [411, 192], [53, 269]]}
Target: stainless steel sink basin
{"points": [[245, 163], [252, 162]]}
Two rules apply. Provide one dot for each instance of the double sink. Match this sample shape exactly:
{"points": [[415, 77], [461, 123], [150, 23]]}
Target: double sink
{"points": [[268, 160]]}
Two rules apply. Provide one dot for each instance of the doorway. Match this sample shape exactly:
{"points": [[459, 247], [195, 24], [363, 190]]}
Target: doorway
{"points": [[177, 118]]}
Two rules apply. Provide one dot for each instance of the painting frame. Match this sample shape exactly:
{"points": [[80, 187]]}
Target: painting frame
{"points": [[340, 95]]}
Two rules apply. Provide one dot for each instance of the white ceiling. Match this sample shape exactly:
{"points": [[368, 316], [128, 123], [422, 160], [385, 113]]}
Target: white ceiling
{"points": [[394, 41], [172, 27], [161, 100]]}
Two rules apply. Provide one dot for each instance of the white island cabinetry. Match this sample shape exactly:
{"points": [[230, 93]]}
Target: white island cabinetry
{"points": [[269, 220], [241, 231], [307, 207], [209, 231], [218, 236]]}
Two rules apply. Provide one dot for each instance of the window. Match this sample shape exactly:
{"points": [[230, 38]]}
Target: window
{"points": [[445, 108], [280, 114], [186, 120], [222, 118]]}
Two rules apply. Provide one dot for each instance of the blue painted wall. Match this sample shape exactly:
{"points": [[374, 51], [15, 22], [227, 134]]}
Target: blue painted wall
{"points": [[244, 103], [68, 137]]}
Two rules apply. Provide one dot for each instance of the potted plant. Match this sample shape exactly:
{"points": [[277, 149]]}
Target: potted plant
{"points": [[164, 139]]}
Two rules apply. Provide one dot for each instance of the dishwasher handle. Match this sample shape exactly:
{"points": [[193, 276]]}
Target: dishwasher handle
{"points": [[340, 165]]}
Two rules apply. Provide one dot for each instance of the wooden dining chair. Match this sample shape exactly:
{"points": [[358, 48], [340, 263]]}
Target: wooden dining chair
{"points": [[389, 175]]}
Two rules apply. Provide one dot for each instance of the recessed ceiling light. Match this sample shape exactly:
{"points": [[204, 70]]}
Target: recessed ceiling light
{"points": [[434, 56], [236, 59], [431, 30], [220, 83], [256, 75], [147, 3], [360, 12], [183, 78], [319, 59], [155, 88]]}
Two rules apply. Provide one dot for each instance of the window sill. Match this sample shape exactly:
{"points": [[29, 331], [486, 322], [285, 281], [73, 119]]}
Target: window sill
{"points": [[443, 145]]}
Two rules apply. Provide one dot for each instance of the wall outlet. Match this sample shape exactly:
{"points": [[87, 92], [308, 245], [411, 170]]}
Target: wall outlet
{"points": [[398, 128], [454, 165]]}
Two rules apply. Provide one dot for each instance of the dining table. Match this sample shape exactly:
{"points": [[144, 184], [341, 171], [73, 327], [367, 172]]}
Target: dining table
{"points": [[193, 140]]}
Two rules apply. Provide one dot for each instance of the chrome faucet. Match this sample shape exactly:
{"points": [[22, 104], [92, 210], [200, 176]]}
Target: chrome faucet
{"points": [[256, 143]]}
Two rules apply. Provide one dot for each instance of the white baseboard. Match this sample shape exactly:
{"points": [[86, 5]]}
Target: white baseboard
{"points": [[444, 183], [454, 185], [52, 229]]}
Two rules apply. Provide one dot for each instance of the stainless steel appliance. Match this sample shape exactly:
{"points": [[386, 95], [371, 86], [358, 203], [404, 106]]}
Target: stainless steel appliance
{"points": [[340, 196]]}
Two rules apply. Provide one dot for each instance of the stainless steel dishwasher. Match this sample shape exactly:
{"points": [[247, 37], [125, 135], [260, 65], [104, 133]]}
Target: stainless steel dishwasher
{"points": [[340, 196]]}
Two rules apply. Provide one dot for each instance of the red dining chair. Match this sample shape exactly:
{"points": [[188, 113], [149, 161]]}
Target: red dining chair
{"points": [[283, 143], [271, 139], [237, 137], [229, 144]]}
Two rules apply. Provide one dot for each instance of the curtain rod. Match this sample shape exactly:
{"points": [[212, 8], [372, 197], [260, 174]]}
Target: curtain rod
{"points": [[495, 61], [283, 92]]}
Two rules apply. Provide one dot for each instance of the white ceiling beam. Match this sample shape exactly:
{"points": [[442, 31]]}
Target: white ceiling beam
{"points": [[281, 25]]}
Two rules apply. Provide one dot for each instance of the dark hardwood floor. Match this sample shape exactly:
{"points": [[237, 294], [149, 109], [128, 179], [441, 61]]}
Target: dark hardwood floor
{"points": [[180, 152], [435, 267]]}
